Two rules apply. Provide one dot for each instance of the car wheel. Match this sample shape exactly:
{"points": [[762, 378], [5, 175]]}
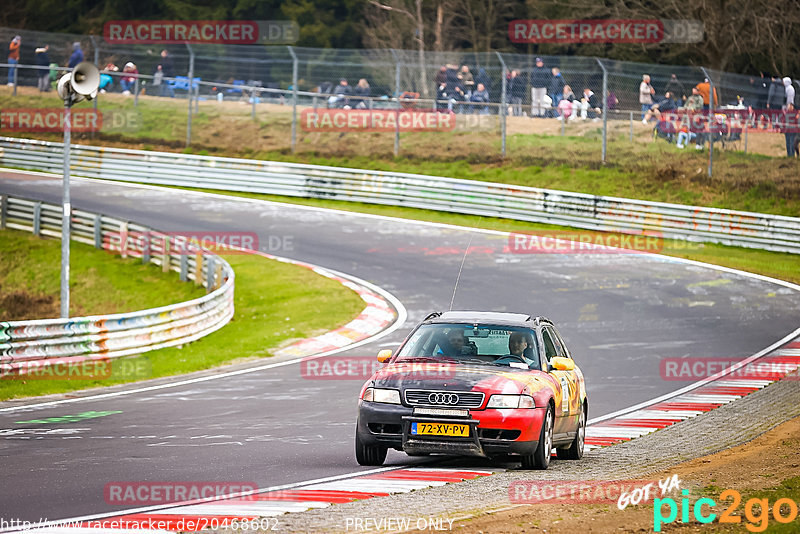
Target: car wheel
{"points": [[369, 454], [540, 459], [575, 449]]}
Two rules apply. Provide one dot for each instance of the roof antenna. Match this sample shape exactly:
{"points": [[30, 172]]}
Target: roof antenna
{"points": [[471, 235]]}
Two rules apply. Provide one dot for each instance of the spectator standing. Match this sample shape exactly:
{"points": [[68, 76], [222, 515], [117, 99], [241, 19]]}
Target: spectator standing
{"points": [[158, 79], [168, 68], [467, 80], [454, 89], [675, 87], [540, 81], [77, 55], [128, 81], [362, 90], [704, 88], [441, 77], [646, 93], [776, 96], [556, 86], [789, 91], [791, 122], [517, 91], [13, 57], [42, 59]]}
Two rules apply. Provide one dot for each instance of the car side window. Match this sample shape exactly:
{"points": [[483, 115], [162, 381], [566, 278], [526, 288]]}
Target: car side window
{"points": [[560, 345], [549, 346]]}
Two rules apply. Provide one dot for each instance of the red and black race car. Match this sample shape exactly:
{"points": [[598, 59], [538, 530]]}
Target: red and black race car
{"points": [[475, 384]]}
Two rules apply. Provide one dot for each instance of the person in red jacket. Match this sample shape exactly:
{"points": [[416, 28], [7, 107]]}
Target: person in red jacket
{"points": [[13, 57]]}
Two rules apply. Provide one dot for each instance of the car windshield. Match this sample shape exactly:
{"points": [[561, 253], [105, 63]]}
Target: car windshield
{"points": [[485, 344]]}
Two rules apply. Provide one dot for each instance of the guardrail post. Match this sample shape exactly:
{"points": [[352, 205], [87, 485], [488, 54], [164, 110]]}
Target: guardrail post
{"points": [[184, 266], [123, 240], [37, 219], [294, 98], [189, 95], [210, 274], [503, 106], [605, 110], [146, 248], [218, 276], [198, 268], [3, 211], [98, 231], [165, 257]]}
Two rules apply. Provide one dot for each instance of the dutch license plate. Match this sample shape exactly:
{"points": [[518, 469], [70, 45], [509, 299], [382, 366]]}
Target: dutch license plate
{"points": [[440, 429]]}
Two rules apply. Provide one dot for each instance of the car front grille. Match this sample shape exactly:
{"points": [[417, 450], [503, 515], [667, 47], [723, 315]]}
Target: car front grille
{"points": [[461, 399]]}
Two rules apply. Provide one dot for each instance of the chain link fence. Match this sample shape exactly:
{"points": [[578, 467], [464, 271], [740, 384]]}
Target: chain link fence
{"points": [[301, 97]]}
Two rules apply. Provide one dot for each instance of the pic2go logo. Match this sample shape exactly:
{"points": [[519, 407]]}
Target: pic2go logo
{"points": [[756, 511]]}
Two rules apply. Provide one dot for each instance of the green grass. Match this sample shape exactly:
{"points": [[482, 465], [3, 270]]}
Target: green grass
{"points": [[275, 303], [783, 266]]}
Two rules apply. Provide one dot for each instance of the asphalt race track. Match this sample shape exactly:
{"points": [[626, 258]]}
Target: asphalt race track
{"points": [[619, 313]]}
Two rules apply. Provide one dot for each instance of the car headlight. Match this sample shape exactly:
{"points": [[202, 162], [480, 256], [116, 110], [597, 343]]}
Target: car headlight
{"points": [[386, 396], [511, 401]]}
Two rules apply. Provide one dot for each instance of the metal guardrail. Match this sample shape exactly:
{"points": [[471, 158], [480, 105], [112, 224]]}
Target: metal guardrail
{"points": [[26, 345], [701, 224]]}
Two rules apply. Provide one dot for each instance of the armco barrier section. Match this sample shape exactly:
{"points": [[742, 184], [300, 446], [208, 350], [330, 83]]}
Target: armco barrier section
{"points": [[26, 345], [754, 230]]}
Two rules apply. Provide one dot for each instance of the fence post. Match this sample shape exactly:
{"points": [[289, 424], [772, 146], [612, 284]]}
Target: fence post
{"points": [[184, 264], [189, 95], [397, 97], [210, 274], [294, 98], [166, 257], [503, 105], [136, 92], [709, 118], [605, 109], [96, 61], [631, 126], [253, 100]]}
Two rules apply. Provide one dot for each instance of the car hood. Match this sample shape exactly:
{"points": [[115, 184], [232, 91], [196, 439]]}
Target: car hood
{"points": [[460, 377]]}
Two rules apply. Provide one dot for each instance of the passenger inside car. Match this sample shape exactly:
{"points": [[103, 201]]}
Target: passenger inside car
{"points": [[459, 344]]}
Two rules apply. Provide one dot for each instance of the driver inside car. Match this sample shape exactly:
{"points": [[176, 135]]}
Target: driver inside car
{"points": [[517, 344]]}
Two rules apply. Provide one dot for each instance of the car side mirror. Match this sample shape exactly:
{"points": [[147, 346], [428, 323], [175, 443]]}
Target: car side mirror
{"points": [[562, 364], [385, 355]]}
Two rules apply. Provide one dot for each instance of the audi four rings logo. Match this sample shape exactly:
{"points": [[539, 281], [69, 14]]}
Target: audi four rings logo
{"points": [[443, 398]]}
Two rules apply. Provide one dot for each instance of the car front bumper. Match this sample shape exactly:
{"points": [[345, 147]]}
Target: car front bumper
{"points": [[492, 432]]}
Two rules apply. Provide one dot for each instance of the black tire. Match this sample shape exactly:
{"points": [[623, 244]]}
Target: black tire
{"points": [[540, 459], [575, 449], [369, 454]]}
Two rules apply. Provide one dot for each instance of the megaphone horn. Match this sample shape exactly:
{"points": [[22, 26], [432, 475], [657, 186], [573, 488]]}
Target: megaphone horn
{"points": [[85, 78]]}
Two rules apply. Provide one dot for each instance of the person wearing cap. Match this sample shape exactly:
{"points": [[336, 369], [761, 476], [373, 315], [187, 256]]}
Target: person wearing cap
{"points": [[13, 57], [540, 80], [127, 82], [77, 55]]}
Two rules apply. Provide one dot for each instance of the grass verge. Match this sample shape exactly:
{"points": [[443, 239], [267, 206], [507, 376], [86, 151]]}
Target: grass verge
{"points": [[537, 154], [275, 303]]}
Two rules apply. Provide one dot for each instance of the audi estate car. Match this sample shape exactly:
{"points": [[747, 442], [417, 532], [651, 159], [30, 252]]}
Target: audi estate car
{"points": [[481, 384]]}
